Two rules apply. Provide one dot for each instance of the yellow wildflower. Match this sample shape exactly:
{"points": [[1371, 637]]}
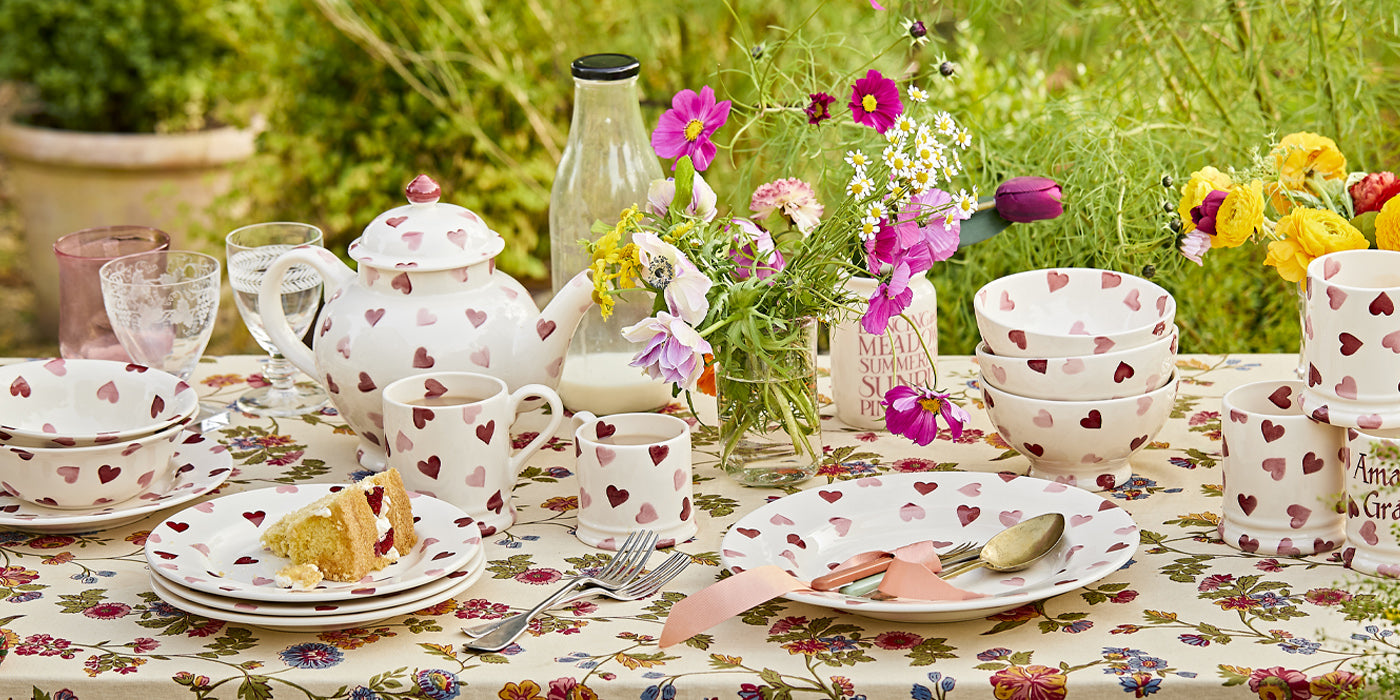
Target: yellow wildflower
{"points": [[1201, 183], [1240, 215], [1388, 225], [1304, 155], [1309, 233]]}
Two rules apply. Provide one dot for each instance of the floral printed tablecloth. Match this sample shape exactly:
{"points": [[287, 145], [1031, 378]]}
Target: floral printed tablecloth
{"points": [[1187, 617]]}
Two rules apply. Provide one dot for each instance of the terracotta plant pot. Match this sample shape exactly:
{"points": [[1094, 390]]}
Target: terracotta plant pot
{"points": [[64, 181]]}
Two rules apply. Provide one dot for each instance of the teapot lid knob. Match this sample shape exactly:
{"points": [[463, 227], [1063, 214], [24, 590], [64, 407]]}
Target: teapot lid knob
{"points": [[423, 190]]}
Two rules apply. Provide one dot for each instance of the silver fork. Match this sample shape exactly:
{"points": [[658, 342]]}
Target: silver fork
{"points": [[502, 636], [626, 565]]}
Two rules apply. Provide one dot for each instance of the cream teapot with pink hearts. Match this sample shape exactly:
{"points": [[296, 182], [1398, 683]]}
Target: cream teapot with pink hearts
{"points": [[426, 296]]}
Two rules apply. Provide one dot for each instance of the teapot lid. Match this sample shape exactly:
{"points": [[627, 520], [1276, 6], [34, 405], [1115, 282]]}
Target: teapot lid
{"points": [[426, 234]]}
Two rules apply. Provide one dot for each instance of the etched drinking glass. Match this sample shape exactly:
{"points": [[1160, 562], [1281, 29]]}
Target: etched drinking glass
{"points": [[162, 306], [250, 250]]}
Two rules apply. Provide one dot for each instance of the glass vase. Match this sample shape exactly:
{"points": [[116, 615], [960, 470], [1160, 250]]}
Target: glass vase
{"points": [[1302, 370], [769, 422]]}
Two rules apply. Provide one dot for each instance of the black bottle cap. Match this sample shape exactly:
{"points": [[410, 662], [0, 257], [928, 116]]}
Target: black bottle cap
{"points": [[605, 66]]}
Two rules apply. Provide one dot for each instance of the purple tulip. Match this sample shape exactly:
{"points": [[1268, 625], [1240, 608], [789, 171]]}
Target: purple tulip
{"points": [[1023, 199], [1203, 216]]}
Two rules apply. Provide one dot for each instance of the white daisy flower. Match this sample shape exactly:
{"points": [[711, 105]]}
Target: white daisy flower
{"points": [[921, 179], [895, 137], [917, 94], [857, 159], [962, 139], [944, 123], [874, 211], [868, 229], [906, 125], [966, 203], [860, 185]]}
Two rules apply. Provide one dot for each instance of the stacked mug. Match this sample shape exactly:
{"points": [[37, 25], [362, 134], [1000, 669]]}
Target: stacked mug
{"points": [[1077, 369], [1351, 362]]}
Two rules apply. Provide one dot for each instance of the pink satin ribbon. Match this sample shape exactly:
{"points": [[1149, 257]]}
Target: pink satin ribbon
{"points": [[913, 573]]}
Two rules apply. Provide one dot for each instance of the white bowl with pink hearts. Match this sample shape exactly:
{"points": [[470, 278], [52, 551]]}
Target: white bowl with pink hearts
{"points": [[1112, 375], [86, 477], [1071, 311], [1082, 443], [62, 403]]}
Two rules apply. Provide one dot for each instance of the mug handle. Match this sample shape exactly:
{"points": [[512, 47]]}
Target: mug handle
{"points": [[556, 416]]}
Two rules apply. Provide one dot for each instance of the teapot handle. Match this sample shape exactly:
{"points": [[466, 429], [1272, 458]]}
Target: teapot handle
{"points": [[334, 274]]}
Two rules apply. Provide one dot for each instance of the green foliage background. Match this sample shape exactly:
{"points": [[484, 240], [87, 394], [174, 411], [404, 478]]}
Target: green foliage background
{"points": [[1107, 96]]}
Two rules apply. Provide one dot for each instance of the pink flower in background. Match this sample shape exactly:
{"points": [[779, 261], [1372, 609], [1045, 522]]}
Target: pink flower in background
{"points": [[819, 109], [754, 252], [914, 412], [702, 198], [685, 129], [793, 197], [674, 351], [875, 101], [1195, 245], [1370, 193]]}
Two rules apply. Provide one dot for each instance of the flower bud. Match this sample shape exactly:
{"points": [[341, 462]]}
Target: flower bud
{"points": [[1023, 199], [917, 30], [1204, 215], [1370, 193], [947, 69]]}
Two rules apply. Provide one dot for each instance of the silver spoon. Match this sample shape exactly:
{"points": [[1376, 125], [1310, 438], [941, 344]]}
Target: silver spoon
{"points": [[1016, 547], [1012, 549]]}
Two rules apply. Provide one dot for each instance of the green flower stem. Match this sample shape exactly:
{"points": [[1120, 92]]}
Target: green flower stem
{"points": [[1201, 79]]}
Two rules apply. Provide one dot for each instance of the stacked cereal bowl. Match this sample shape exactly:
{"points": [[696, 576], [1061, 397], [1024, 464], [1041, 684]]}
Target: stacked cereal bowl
{"points": [[1077, 369], [82, 434]]}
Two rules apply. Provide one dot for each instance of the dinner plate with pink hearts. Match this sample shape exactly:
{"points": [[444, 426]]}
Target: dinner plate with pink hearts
{"points": [[202, 465], [810, 532], [214, 547]]}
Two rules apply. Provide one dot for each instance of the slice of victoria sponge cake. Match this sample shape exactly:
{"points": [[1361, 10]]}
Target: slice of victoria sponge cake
{"points": [[345, 535]]}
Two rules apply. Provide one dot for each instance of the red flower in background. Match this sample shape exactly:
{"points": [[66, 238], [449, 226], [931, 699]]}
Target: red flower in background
{"points": [[1370, 193]]}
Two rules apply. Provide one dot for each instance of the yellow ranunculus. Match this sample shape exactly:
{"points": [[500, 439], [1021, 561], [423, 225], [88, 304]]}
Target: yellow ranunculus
{"points": [[1309, 233], [1194, 192], [1240, 215], [1290, 259], [1303, 155], [1388, 225]]}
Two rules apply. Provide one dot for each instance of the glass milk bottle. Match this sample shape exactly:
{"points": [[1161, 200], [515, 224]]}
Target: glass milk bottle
{"points": [[607, 166]]}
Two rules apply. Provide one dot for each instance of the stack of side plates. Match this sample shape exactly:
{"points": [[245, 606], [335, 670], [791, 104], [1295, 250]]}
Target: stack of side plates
{"points": [[208, 560]]}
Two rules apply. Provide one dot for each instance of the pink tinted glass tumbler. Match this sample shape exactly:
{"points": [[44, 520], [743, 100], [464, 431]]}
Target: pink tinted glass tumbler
{"points": [[84, 331]]}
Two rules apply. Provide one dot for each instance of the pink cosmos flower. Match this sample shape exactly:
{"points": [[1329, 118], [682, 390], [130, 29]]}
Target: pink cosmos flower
{"points": [[819, 109], [674, 351], [914, 412], [1028, 198], [890, 299], [793, 197], [702, 198], [875, 101], [754, 252], [685, 129], [1195, 245], [942, 227]]}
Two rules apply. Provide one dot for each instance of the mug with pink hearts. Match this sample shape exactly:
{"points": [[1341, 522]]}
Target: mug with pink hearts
{"points": [[1373, 502], [633, 472], [1351, 327], [448, 435], [1282, 471]]}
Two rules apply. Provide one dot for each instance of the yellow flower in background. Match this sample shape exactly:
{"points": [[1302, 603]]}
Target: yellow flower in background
{"points": [[1290, 259], [1388, 225], [1309, 233], [1194, 192], [1305, 155], [1240, 215]]}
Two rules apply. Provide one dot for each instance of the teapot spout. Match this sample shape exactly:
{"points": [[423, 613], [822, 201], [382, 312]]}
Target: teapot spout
{"points": [[555, 328]]}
